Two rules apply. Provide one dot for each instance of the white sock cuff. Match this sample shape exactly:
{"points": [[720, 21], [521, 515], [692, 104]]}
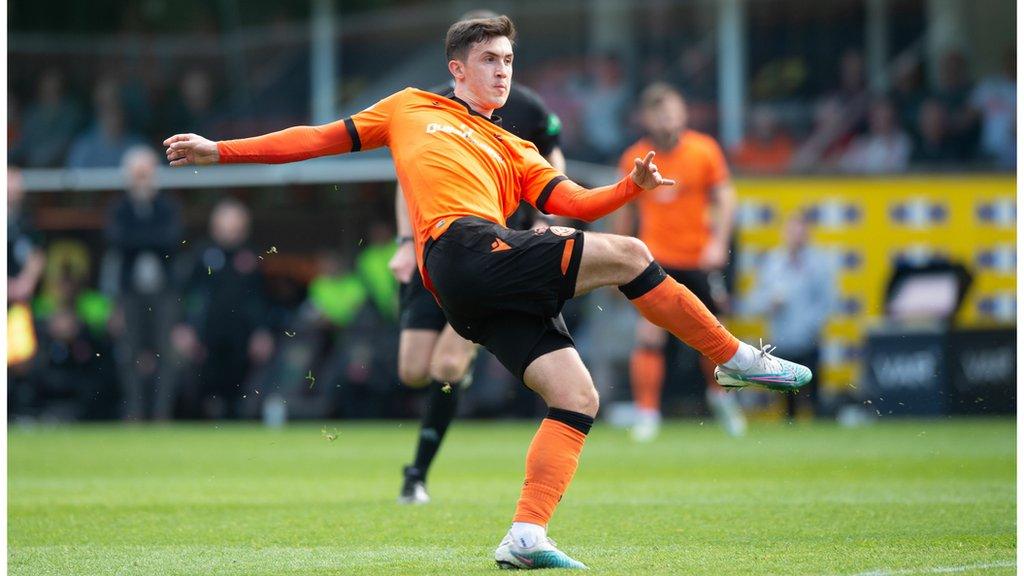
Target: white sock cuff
{"points": [[743, 359], [527, 535]]}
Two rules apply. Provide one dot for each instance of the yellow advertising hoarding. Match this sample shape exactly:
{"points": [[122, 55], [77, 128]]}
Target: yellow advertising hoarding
{"points": [[867, 225]]}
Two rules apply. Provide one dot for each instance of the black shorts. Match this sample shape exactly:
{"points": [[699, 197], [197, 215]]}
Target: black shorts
{"points": [[504, 288], [418, 310], [698, 282]]}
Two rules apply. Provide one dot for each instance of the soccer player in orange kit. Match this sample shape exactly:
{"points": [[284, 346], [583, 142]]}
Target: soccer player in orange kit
{"points": [[687, 228], [462, 175], [431, 353]]}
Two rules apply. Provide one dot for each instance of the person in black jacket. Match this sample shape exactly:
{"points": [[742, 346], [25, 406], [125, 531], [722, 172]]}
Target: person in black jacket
{"points": [[144, 232], [225, 333]]}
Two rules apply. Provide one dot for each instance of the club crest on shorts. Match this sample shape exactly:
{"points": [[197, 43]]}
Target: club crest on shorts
{"points": [[562, 230]]}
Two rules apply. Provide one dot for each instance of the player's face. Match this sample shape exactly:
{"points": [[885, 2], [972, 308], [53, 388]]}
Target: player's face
{"points": [[487, 71], [666, 121]]}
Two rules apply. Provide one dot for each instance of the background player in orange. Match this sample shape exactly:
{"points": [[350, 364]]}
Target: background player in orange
{"points": [[687, 227], [462, 176]]}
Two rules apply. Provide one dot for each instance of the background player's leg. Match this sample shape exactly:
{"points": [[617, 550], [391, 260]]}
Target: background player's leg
{"points": [[723, 404], [449, 374], [452, 357], [610, 260], [646, 376], [415, 350]]}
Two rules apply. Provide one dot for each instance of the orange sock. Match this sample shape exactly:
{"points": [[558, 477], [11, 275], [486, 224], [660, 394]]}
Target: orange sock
{"points": [[551, 463], [670, 305], [646, 374]]}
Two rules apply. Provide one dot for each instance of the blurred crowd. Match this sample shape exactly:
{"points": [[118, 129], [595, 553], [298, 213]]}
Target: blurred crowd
{"points": [[960, 123], [956, 122], [55, 129], [167, 326]]}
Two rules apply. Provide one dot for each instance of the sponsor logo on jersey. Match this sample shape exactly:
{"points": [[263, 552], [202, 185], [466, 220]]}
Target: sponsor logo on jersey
{"points": [[467, 133]]}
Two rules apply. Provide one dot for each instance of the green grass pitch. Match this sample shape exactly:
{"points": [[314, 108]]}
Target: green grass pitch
{"points": [[899, 497]]}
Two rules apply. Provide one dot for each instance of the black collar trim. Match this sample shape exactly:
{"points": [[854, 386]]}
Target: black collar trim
{"points": [[494, 119]]}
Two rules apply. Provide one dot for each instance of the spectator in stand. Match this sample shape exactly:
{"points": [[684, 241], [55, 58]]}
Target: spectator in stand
{"points": [[604, 106], [107, 140], [25, 263], [75, 372], [885, 148], [25, 257], [796, 291], [995, 101], [908, 92], [852, 94], [320, 341], [694, 75], [143, 232], [373, 270], [49, 125], [764, 150], [225, 333], [954, 91], [829, 138], [836, 117], [851, 74], [934, 148], [193, 110]]}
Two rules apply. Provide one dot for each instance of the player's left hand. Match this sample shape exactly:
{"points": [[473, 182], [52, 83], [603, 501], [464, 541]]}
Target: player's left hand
{"points": [[403, 262], [715, 256], [645, 173]]}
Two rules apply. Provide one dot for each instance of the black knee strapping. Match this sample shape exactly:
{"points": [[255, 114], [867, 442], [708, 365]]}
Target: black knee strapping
{"points": [[645, 282], [576, 420]]}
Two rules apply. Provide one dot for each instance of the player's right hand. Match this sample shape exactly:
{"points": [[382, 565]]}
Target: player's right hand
{"points": [[403, 263], [191, 149], [645, 173]]}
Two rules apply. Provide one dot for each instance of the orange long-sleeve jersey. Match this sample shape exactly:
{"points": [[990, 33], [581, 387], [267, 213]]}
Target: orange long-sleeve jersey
{"points": [[450, 161], [675, 220]]}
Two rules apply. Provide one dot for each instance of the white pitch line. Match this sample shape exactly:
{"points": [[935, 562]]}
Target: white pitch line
{"points": [[939, 569]]}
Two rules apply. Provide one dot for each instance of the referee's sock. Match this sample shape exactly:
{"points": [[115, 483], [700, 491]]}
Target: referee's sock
{"points": [[672, 306], [442, 401]]}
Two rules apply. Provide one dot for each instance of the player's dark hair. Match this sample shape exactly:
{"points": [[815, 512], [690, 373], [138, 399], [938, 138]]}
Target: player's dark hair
{"points": [[479, 14], [463, 34], [656, 94]]}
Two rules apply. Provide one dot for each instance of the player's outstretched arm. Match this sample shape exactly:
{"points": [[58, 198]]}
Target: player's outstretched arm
{"points": [[288, 145], [566, 198], [365, 130]]}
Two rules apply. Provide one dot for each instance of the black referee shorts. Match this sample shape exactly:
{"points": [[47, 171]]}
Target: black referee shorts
{"points": [[504, 289], [698, 282], [418, 310]]}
